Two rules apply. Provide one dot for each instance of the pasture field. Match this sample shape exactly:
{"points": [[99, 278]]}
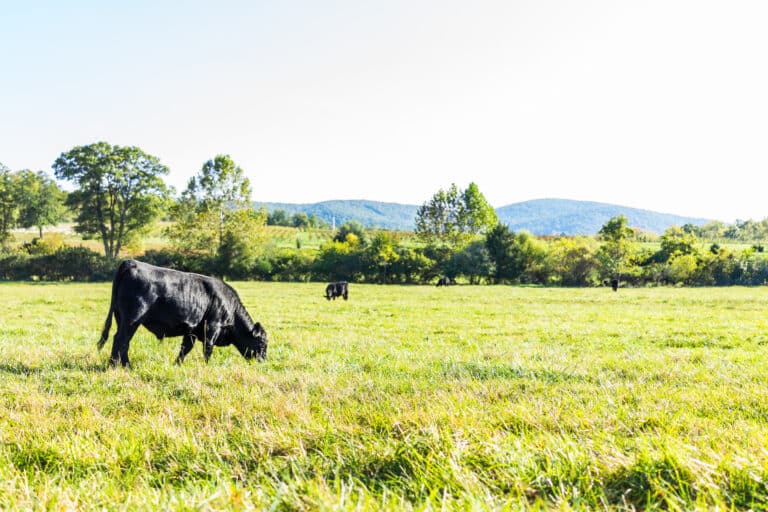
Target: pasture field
{"points": [[423, 398]]}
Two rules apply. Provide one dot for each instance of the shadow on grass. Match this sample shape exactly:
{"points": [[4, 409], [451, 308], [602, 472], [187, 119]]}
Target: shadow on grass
{"points": [[66, 364], [486, 371]]}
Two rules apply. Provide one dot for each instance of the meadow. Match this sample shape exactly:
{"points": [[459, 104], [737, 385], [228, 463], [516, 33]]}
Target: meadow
{"points": [[422, 398]]}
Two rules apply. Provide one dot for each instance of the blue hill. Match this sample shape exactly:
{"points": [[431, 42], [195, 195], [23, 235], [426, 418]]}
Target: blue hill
{"points": [[570, 217]]}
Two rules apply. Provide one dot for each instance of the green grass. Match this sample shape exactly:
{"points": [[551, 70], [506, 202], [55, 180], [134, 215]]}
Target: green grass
{"points": [[401, 398]]}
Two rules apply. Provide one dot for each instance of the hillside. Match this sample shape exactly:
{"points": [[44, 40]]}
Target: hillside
{"points": [[539, 216], [556, 216], [371, 214]]}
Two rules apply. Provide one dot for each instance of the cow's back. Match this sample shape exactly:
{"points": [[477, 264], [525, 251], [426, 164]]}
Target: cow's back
{"points": [[168, 302]]}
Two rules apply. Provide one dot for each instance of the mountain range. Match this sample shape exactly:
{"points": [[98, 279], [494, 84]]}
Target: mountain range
{"points": [[538, 216]]}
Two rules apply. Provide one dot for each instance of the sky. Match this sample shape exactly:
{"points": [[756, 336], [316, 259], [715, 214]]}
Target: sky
{"points": [[659, 104]]}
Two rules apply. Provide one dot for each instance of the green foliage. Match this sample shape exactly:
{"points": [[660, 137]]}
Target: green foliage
{"points": [[204, 213], [452, 217], [8, 203], [62, 264], [478, 216], [350, 228], [379, 256], [500, 243], [338, 261], [681, 267], [676, 240], [618, 249], [220, 185], [278, 218], [411, 266], [473, 262], [41, 201], [574, 261], [242, 244], [43, 246], [120, 191], [300, 220], [213, 217]]}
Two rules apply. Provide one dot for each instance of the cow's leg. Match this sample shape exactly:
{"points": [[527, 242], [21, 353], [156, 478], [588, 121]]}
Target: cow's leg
{"points": [[121, 342], [211, 336], [186, 345]]}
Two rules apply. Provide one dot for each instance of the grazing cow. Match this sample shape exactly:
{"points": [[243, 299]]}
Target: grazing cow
{"points": [[614, 284], [173, 303], [339, 289], [445, 281]]}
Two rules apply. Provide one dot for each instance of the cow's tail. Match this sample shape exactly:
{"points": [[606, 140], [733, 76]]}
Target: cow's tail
{"points": [[108, 323]]}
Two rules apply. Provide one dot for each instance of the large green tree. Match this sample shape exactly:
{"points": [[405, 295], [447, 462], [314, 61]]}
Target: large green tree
{"points": [[204, 209], [451, 217], [8, 204], [120, 191], [500, 244], [214, 216], [40, 200], [617, 248]]}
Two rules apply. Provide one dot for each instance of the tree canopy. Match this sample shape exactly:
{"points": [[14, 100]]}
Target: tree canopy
{"points": [[8, 208], [120, 191], [214, 216], [451, 217], [617, 246], [40, 200]]}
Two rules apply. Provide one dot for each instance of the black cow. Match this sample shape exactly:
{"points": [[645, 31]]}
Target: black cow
{"points": [[613, 283], [339, 289], [445, 281], [173, 303]]}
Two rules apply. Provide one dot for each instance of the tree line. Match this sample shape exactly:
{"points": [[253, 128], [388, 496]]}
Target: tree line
{"points": [[119, 193]]}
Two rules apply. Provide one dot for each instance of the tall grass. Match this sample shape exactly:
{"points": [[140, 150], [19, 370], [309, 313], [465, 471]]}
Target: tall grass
{"points": [[400, 398]]}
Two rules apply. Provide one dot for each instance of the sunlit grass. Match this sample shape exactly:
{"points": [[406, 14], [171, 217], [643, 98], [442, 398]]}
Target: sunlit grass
{"points": [[400, 398]]}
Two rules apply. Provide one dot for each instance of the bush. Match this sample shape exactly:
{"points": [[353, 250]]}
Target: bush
{"points": [[44, 246], [75, 264], [186, 262]]}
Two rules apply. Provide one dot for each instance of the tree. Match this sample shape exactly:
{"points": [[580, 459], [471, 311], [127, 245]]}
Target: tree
{"points": [[473, 261], [451, 216], [8, 205], [214, 216], [301, 221], [243, 236], [120, 191], [676, 240], [617, 246], [350, 228], [278, 218], [219, 188], [41, 201], [500, 242], [574, 262], [477, 216], [379, 256]]}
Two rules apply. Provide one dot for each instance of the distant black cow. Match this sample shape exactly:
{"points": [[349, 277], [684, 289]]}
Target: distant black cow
{"points": [[613, 283], [172, 303], [445, 281], [339, 289]]}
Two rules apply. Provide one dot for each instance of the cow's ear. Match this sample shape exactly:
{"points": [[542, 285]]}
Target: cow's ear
{"points": [[257, 328]]}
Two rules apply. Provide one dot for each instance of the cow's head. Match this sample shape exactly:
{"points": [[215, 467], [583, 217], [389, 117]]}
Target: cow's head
{"points": [[256, 344]]}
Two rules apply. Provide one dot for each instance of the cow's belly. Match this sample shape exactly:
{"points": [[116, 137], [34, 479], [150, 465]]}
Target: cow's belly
{"points": [[163, 328]]}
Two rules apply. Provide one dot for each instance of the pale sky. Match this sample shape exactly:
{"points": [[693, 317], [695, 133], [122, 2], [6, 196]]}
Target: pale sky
{"points": [[661, 105]]}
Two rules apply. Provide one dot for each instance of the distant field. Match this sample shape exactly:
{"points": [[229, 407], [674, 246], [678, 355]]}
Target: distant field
{"points": [[400, 398]]}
